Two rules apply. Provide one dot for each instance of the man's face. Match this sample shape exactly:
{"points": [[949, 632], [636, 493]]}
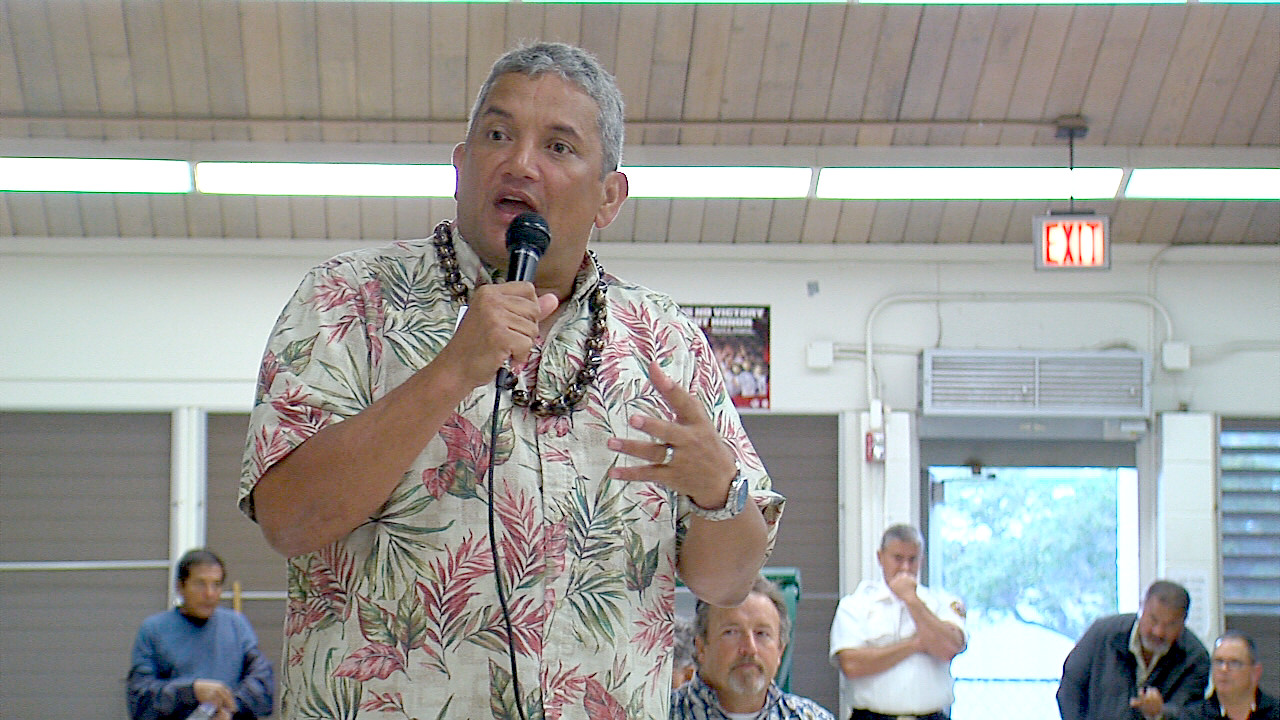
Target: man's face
{"points": [[535, 145], [899, 557], [743, 647], [1159, 626], [1235, 674], [201, 591]]}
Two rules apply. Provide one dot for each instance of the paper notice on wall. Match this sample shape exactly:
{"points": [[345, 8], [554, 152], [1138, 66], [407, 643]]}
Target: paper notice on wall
{"points": [[1202, 603]]}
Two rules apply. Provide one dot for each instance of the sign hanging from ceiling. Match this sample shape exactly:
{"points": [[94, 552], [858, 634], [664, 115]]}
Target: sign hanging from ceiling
{"points": [[1072, 241]]}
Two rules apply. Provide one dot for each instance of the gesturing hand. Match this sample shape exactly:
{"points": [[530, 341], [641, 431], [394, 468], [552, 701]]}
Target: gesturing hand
{"points": [[1149, 702], [686, 455]]}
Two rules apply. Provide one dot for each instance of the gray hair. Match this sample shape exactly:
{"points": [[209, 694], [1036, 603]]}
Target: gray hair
{"points": [[682, 650], [1249, 645], [762, 586], [577, 66], [1171, 595], [901, 532]]}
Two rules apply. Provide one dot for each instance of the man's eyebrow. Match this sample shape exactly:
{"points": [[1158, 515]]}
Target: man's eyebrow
{"points": [[495, 111], [559, 128], [567, 130]]}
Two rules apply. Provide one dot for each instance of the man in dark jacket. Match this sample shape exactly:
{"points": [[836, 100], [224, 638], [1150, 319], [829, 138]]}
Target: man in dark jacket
{"points": [[1237, 670], [1142, 667]]}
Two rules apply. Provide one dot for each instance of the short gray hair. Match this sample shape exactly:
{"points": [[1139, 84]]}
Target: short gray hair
{"points": [[682, 654], [901, 532], [1249, 645], [1171, 595], [762, 586], [577, 66]]}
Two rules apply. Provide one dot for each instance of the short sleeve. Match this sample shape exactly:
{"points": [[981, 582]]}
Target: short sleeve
{"points": [[315, 371], [849, 629], [706, 381], [951, 609]]}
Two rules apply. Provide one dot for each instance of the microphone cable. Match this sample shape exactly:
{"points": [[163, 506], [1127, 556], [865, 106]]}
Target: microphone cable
{"points": [[493, 550], [527, 238]]}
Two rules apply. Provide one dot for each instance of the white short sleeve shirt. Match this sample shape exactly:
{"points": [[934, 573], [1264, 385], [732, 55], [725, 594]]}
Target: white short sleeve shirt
{"points": [[874, 617]]}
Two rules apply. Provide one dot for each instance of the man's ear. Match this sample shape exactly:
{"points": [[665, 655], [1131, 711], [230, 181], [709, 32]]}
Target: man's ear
{"points": [[616, 187], [459, 154]]}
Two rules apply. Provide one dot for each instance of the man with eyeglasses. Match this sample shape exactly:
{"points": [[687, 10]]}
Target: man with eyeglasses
{"points": [[1236, 673]]}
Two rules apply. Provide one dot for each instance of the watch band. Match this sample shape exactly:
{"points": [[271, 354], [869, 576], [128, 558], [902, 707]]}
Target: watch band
{"points": [[735, 502]]}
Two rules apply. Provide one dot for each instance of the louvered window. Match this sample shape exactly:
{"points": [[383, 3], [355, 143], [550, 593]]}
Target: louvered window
{"points": [[1250, 522]]}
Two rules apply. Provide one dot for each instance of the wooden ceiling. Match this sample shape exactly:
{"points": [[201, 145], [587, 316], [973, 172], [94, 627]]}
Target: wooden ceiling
{"points": [[741, 83]]}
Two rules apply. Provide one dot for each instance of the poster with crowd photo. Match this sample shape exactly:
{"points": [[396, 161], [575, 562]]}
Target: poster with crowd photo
{"points": [[739, 335]]}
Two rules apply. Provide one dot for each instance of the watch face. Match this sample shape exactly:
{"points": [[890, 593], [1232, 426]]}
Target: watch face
{"points": [[740, 502], [736, 501]]}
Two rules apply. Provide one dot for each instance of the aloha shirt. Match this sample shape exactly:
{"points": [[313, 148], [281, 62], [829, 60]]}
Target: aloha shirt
{"points": [[401, 618]]}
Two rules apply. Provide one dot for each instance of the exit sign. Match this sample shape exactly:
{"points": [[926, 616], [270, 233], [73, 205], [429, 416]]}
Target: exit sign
{"points": [[1075, 241]]}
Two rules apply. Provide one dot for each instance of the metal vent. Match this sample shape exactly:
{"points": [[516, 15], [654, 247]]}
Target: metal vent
{"points": [[1028, 383]]}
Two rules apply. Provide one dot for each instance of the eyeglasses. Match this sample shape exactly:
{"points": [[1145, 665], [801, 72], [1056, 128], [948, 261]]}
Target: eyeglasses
{"points": [[1228, 663]]}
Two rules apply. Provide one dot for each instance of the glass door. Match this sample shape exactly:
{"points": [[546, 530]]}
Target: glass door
{"points": [[1037, 554]]}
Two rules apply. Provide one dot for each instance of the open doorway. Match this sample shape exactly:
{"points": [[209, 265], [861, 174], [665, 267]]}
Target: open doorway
{"points": [[1038, 549]]}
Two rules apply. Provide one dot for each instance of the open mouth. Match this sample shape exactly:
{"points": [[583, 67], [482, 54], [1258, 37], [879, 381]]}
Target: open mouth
{"points": [[512, 204]]}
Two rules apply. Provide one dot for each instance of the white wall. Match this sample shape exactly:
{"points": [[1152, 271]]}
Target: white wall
{"points": [[1187, 536], [142, 323], [173, 325]]}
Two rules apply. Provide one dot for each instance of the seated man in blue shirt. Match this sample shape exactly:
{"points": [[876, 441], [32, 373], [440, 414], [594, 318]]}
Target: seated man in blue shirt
{"points": [[738, 652], [199, 654]]}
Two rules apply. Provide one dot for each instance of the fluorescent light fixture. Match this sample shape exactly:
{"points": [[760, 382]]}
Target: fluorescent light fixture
{"points": [[94, 175], [718, 182], [333, 179], [1033, 2], [690, 2], [968, 183], [1204, 183]]}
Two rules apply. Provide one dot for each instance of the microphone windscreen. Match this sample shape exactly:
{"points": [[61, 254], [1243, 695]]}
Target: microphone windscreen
{"points": [[529, 230]]}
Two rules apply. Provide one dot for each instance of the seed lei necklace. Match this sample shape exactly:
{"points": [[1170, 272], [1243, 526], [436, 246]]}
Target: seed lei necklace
{"points": [[577, 390]]}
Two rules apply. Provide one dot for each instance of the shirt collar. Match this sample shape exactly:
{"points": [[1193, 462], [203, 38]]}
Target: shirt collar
{"points": [[1135, 647], [1222, 711], [880, 592], [476, 270]]}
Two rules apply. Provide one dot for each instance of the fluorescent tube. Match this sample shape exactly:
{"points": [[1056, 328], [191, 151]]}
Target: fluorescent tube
{"points": [[331, 179], [94, 175], [967, 183], [718, 182]]}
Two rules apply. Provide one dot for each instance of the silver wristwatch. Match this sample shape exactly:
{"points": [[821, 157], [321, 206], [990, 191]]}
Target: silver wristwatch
{"points": [[734, 503]]}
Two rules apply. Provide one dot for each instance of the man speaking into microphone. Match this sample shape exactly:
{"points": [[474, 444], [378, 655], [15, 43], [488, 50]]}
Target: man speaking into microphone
{"points": [[460, 547]]}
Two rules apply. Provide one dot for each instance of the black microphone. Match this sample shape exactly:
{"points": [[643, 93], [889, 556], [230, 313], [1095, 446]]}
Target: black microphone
{"points": [[527, 238]]}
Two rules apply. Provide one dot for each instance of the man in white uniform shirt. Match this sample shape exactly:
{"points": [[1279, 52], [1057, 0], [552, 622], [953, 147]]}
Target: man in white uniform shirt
{"points": [[893, 639]]}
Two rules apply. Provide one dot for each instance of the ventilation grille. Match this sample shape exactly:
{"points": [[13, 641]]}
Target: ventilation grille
{"points": [[1092, 384]]}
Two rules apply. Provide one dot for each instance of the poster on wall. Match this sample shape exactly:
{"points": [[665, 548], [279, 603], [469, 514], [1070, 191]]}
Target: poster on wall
{"points": [[739, 335]]}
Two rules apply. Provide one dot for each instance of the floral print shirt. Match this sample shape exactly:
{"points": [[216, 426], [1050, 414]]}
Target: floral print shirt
{"points": [[402, 618]]}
